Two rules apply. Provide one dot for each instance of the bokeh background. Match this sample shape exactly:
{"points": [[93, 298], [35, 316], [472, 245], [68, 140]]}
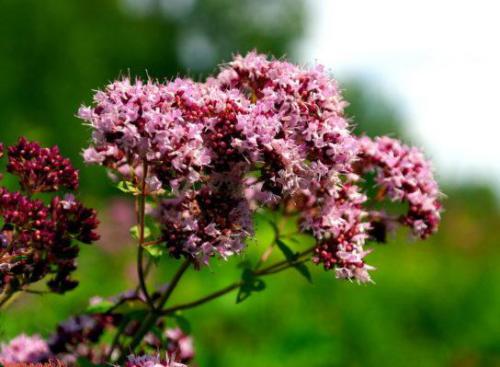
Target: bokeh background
{"points": [[435, 303]]}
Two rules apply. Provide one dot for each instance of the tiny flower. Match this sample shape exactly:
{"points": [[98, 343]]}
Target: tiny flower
{"points": [[404, 174], [36, 239], [41, 169], [25, 349], [151, 361]]}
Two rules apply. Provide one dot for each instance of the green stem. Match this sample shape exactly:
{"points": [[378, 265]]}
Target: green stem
{"points": [[273, 269], [7, 297], [153, 314], [140, 251]]}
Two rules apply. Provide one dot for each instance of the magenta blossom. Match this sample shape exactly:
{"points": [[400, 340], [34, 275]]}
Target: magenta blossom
{"points": [[262, 133], [25, 349], [151, 361]]}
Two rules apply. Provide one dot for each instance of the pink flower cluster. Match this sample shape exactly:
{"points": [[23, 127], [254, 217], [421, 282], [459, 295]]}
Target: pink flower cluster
{"points": [[151, 361], [404, 174], [29, 350], [25, 349], [260, 133]]}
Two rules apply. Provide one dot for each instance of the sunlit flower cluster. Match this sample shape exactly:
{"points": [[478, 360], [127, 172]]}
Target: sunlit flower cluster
{"points": [[404, 175], [260, 133]]}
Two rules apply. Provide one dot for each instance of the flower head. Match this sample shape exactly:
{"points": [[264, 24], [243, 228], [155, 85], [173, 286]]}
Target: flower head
{"points": [[404, 175], [262, 133], [151, 361], [25, 349], [40, 169]]}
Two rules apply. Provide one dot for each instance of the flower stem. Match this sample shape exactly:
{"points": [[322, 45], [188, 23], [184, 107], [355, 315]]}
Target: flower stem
{"points": [[154, 314], [140, 252], [273, 269], [7, 299]]}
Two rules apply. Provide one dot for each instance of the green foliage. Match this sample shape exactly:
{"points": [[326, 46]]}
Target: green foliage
{"points": [[127, 187], [250, 284], [135, 233], [182, 322], [435, 303], [292, 257], [155, 251]]}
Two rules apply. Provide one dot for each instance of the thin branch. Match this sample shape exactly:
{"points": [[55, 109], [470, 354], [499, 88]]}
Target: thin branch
{"points": [[140, 251], [8, 297], [153, 315], [273, 269], [284, 262], [152, 243], [203, 300], [116, 339]]}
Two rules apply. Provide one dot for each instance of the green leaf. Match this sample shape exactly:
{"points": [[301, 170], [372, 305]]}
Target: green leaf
{"points": [[293, 256], [182, 322], [127, 187], [134, 232], [304, 271], [287, 251], [101, 307], [155, 251], [251, 284], [158, 333], [245, 264]]}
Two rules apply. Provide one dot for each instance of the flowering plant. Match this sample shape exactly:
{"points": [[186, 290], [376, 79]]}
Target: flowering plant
{"points": [[263, 141]]}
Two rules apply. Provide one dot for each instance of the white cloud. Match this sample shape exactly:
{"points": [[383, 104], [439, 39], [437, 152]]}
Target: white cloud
{"points": [[439, 59]]}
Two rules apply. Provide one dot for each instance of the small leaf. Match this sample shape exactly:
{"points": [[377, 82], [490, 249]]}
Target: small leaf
{"points": [[127, 187], [245, 264], [243, 293], [101, 307], [291, 257], [182, 322], [155, 251], [251, 283], [135, 233], [158, 333], [304, 270], [287, 251]]}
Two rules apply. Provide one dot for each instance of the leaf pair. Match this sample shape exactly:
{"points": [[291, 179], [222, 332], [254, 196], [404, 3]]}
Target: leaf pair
{"points": [[250, 284]]}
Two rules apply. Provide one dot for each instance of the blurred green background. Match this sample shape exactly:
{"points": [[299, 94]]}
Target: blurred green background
{"points": [[436, 303]]}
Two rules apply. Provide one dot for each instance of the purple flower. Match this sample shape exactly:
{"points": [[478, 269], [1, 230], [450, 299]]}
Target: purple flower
{"points": [[151, 361], [404, 174], [262, 133], [180, 345], [25, 349]]}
